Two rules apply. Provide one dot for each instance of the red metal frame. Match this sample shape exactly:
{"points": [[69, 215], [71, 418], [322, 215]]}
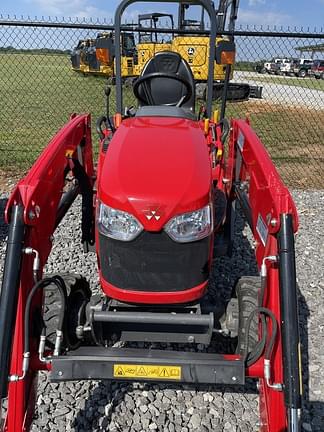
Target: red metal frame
{"points": [[268, 198], [136, 180], [156, 297], [40, 191]]}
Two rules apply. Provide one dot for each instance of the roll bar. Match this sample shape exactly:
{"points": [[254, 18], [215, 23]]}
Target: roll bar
{"points": [[206, 4]]}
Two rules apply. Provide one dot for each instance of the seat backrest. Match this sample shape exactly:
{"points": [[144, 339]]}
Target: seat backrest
{"points": [[166, 91]]}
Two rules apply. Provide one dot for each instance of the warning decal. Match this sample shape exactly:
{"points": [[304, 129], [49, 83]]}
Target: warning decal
{"points": [[69, 153], [147, 371], [262, 229]]}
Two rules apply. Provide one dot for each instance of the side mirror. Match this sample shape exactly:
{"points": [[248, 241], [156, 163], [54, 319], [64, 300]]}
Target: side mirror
{"points": [[225, 52]]}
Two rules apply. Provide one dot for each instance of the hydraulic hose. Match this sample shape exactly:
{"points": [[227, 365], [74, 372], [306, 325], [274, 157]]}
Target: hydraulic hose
{"points": [[100, 120], [253, 357], [9, 293], [59, 282], [225, 129], [256, 353]]}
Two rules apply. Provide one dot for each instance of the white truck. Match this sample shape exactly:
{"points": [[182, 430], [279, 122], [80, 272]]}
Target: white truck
{"points": [[267, 65], [277, 64], [287, 66]]}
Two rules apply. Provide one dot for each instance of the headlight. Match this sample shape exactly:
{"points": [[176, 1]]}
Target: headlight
{"points": [[117, 224], [190, 226]]}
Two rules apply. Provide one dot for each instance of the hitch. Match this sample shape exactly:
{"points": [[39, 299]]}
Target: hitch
{"points": [[186, 325]]}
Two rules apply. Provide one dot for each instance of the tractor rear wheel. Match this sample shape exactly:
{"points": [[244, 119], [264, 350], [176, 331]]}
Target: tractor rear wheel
{"points": [[247, 292], [78, 295]]}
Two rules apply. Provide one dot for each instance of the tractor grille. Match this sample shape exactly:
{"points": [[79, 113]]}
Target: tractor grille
{"points": [[154, 263]]}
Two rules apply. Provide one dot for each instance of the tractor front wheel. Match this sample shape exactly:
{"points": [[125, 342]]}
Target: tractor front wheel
{"points": [[78, 295], [247, 291]]}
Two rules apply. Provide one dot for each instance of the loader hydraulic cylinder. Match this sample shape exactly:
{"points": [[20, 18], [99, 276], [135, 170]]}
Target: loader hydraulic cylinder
{"points": [[9, 293], [289, 318]]}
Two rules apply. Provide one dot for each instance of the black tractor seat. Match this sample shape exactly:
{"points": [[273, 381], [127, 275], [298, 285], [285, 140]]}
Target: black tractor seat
{"points": [[166, 82]]}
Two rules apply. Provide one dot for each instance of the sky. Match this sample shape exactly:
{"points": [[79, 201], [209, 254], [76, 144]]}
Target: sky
{"points": [[299, 13]]}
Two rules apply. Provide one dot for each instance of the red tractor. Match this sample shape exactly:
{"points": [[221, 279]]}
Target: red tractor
{"points": [[157, 209]]}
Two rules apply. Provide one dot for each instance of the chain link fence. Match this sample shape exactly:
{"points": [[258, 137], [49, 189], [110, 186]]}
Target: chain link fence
{"points": [[40, 86]]}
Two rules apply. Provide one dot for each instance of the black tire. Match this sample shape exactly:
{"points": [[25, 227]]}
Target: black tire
{"points": [[78, 292], [247, 292], [302, 73]]}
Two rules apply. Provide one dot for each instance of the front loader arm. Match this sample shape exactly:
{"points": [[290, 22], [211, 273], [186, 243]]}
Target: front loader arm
{"points": [[257, 185], [40, 191], [272, 216], [34, 209]]}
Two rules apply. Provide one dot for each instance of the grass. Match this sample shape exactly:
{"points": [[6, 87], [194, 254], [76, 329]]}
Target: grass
{"points": [[294, 139], [39, 92], [38, 97]]}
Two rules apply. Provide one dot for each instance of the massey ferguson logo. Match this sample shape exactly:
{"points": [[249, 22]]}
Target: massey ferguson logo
{"points": [[152, 214]]}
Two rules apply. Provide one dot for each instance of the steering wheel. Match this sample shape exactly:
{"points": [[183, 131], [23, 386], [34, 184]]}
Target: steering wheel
{"points": [[149, 99]]}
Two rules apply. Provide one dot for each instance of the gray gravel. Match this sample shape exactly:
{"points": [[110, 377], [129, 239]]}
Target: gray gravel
{"points": [[94, 406]]}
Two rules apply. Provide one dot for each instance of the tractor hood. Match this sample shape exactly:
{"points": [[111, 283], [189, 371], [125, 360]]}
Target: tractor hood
{"points": [[156, 166]]}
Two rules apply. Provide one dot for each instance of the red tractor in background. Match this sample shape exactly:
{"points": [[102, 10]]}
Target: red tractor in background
{"points": [[158, 207]]}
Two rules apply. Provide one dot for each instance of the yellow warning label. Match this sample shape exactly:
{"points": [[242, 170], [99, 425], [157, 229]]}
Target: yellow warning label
{"points": [[69, 153], [147, 371]]}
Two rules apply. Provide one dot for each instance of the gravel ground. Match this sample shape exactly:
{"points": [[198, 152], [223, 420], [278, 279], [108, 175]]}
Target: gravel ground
{"points": [[283, 94], [94, 406]]}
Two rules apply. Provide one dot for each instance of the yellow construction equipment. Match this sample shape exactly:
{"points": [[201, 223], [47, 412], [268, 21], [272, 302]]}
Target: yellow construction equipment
{"points": [[88, 59], [97, 55], [149, 43], [192, 47], [105, 54], [76, 55]]}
